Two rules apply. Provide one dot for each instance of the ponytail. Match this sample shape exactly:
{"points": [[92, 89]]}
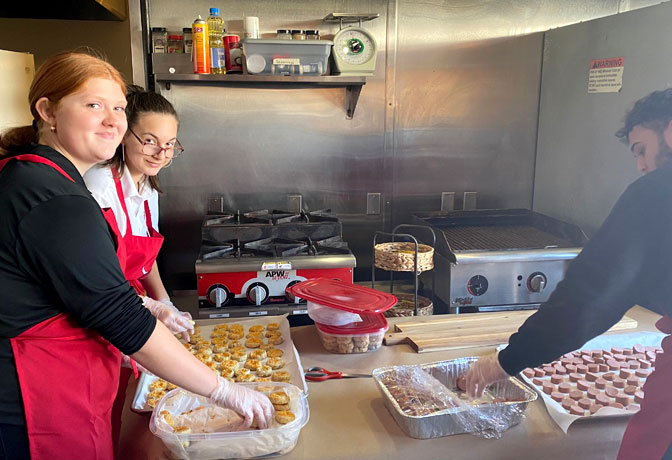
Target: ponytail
{"points": [[15, 138]]}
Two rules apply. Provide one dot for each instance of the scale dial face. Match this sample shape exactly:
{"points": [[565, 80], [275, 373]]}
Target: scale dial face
{"points": [[354, 47], [355, 51]]}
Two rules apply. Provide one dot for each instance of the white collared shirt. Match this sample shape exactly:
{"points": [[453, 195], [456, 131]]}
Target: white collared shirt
{"points": [[100, 183]]}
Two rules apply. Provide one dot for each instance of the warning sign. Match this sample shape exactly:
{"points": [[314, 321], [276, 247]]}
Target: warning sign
{"points": [[606, 75]]}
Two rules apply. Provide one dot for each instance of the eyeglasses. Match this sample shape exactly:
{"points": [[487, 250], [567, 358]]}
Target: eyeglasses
{"points": [[151, 150]]}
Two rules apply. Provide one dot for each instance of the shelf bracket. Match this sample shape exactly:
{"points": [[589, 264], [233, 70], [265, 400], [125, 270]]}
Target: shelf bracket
{"points": [[351, 97]]}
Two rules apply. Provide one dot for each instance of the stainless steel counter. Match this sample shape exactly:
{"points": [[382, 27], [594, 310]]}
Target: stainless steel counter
{"points": [[348, 419]]}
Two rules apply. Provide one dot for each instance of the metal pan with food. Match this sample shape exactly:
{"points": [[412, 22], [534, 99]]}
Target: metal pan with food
{"points": [[426, 402]]}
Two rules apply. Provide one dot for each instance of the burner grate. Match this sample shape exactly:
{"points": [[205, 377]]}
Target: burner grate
{"points": [[469, 238]]}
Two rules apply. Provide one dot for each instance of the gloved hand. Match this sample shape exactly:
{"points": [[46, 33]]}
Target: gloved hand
{"points": [[170, 317], [250, 404], [482, 373], [168, 302], [126, 362]]}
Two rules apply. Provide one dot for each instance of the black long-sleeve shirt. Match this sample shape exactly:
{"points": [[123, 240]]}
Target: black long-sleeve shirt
{"points": [[57, 255], [627, 262]]}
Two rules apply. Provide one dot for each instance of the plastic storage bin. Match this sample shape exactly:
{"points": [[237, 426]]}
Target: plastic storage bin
{"points": [[277, 439], [286, 57], [360, 337]]}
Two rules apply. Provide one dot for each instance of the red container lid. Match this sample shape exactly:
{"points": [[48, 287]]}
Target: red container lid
{"points": [[369, 324], [343, 296]]}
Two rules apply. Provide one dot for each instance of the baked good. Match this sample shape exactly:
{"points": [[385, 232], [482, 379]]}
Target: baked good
{"points": [[167, 417], [246, 378], [258, 354], [276, 340], [256, 328], [284, 416], [253, 364], [274, 353], [253, 343], [264, 371], [279, 397], [280, 376], [272, 326], [275, 363], [280, 407], [226, 372]]}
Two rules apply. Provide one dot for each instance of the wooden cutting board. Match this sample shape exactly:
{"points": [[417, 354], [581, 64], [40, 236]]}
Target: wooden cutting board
{"points": [[452, 332]]}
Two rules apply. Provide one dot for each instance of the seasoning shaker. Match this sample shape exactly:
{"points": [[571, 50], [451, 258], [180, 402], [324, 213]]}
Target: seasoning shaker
{"points": [[159, 40], [312, 34], [283, 34], [298, 34], [187, 39]]}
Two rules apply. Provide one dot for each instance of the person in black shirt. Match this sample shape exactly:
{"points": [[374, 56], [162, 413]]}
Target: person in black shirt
{"points": [[625, 263], [66, 310]]}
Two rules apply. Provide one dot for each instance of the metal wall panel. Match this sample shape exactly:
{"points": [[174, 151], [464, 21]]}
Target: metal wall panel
{"points": [[582, 168], [452, 107]]}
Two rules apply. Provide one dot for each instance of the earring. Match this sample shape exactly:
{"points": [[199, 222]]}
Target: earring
{"points": [[169, 163], [123, 154], [53, 128]]}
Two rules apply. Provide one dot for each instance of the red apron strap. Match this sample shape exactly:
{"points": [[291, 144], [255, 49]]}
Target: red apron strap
{"points": [[35, 159], [122, 200], [148, 218]]}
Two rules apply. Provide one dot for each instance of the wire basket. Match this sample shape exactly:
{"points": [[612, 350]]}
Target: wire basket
{"points": [[400, 256], [406, 306]]}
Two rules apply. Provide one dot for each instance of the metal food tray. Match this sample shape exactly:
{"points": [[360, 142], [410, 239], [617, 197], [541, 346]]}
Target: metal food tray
{"points": [[448, 421]]}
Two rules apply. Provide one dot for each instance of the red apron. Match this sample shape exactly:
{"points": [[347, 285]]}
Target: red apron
{"points": [[68, 378], [649, 432], [140, 254], [141, 251]]}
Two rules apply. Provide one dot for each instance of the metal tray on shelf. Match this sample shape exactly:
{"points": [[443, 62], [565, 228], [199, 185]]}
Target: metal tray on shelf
{"points": [[451, 421]]}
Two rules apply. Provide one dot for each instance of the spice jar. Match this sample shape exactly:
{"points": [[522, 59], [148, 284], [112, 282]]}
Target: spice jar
{"points": [[312, 34], [187, 40], [159, 39], [298, 34], [175, 44], [283, 34]]}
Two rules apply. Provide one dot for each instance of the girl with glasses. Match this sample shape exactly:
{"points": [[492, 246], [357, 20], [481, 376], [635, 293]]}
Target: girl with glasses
{"points": [[128, 186]]}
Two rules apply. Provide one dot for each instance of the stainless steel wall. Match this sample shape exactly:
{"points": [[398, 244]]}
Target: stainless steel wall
{"points": [[452, 106], [582, 168]]}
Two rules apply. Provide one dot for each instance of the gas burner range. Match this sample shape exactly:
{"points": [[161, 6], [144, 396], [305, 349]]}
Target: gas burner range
{"points": [[247, 261]]}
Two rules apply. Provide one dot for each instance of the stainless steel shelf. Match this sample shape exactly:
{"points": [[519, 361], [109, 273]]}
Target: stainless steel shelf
{"points": [[352, 85]]}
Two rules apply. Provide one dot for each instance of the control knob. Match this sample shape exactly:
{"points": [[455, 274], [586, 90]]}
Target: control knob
{"points": [[477, 285], [536, 282], [218, 295], [288, 295], [257, 293]]}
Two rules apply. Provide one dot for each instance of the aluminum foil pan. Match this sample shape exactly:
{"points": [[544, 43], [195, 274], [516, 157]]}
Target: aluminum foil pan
{"points": [[457, 420]]}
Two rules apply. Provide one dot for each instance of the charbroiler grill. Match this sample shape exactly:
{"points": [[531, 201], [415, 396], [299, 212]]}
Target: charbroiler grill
{"points": [[247, 261], [500, 259]]}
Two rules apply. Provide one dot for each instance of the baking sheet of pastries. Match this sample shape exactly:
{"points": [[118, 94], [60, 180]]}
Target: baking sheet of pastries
{"points": [[149, 383]]}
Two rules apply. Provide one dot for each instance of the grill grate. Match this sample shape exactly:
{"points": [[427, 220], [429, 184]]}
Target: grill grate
{"points": [[471, 238]]}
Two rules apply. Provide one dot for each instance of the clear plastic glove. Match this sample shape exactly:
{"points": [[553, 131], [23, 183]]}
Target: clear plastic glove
{"points": [[170, 317], [249, 404], [126, 362], [168, 302], [482, 373]]}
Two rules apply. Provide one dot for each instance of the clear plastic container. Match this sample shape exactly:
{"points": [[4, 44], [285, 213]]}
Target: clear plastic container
{"points": [[361, 337], [287, 57], [276, 440]]}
